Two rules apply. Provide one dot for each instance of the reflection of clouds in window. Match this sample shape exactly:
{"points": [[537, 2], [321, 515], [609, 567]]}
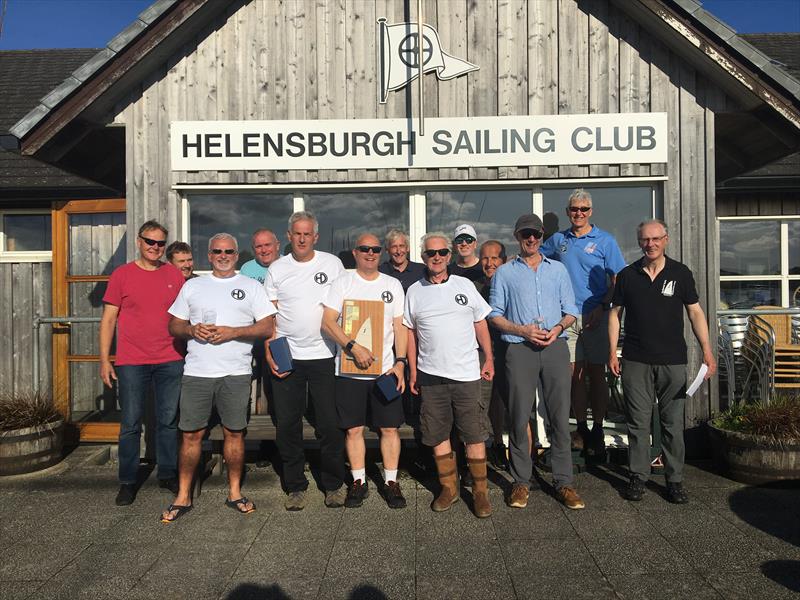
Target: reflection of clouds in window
{"points": [[794, 247], [749, 247]]}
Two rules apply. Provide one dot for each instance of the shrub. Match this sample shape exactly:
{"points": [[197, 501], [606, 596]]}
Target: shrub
{"points": [[779, 419], [26, 409]]}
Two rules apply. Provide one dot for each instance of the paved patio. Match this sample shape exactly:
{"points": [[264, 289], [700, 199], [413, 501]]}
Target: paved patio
{"points": [[62, 537]]}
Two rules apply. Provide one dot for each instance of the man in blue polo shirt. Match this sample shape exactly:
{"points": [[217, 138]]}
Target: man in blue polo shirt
{"points": [[593, 259], [532, 305]]}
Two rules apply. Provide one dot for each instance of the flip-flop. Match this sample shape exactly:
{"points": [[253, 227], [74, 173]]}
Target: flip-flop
{"points": [[181, 510], [241, 502]]}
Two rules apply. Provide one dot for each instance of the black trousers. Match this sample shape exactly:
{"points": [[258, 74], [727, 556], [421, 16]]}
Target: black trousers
{"points": [[290, 405]]}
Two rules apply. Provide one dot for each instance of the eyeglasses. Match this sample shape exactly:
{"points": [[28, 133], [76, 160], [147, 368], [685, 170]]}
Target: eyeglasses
{"points": [[365, 249], [150, 242], [464, 239], [526, 233], [583, 209], [652, 239], [221, 251], [440, 252]]}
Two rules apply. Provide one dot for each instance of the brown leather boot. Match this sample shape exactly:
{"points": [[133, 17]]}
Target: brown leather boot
{"points": [[448, 477], [480, 489]]}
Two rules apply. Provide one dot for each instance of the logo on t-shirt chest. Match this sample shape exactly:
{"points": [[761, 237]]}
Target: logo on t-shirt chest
{"points": [[668, 288], [461, 300], [321, 278], [238, 294], [387, 296]]}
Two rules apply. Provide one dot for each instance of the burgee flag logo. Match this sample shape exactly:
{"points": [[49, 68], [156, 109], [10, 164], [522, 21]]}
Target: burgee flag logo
{"points": [[398, 55]]}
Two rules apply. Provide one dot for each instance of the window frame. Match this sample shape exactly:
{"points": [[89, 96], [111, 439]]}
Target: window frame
{"points": [[783, 277], [24, 256]]}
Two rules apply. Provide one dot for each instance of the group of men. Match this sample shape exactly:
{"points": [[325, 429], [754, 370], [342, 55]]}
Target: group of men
{"points": [[547, 319]]}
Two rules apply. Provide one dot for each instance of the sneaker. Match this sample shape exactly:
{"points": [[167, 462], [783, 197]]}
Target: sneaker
{"points": [[336, 498], [394, 495], [519, 496], [635, 490], [126, 494], [356, 494], [295, 501], [676, 494], [170, 484], [570, 498]]}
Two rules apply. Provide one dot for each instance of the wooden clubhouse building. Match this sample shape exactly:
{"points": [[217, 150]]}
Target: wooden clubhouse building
{"points": [[228, 115]]}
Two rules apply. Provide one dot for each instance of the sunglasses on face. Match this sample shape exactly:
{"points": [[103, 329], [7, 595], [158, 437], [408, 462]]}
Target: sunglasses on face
{"points": [[440, 252], [464, 239], [150, 242], [526, 233], [373, 249], [221, 251], [583, 209]]}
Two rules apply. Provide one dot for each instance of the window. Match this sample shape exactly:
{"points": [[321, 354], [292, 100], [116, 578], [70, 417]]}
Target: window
{"points": [[759, 261], [25, 236]]}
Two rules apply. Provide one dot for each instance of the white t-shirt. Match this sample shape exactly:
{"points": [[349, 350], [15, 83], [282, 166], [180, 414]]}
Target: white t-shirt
{"points": [[351, 286], [238, 301], [444, 317], [300, 288]]}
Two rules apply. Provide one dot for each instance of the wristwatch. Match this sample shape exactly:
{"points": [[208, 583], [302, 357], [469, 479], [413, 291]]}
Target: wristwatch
{"points": [[349, 346], [401, 359]]}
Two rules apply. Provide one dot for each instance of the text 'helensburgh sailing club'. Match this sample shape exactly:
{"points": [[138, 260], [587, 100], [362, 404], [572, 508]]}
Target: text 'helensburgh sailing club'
{"points": [[395, 143]]}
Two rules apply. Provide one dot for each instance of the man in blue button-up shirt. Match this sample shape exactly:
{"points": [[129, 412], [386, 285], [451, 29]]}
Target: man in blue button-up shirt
{"points": [[532, 305]]}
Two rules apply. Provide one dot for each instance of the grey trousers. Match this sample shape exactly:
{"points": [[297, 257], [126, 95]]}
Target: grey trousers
{"points": [[642, 384], [526, 367]]}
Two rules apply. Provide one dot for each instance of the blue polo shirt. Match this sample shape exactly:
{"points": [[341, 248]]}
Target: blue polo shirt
{"points": [[521, 294], [590, 260]]}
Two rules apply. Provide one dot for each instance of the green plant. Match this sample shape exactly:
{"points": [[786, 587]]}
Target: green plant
{"points": [[26, 409], [778, 419]]}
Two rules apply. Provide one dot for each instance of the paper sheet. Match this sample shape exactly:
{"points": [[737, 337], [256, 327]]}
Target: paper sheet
{"points": [[698, 380]]}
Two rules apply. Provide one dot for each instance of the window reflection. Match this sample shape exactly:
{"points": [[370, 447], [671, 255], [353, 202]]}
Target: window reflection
{"points": [[617, 210], [27, 233], [794, 247], [237, 214], [749, 247], [344, 216], [747, 294], [491, 212]]}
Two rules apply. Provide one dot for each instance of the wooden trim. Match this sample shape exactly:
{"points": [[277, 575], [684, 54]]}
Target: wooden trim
{"points": [[85, 278], [126, 60], [101, 205], [85, 358], [98, 432]]}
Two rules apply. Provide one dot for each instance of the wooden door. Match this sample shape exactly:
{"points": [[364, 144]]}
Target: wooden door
{"points": [[88, 244]]}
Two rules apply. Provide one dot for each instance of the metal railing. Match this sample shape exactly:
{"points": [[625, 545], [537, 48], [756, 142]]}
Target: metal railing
{"points": [[38, 322], [747, 348]]}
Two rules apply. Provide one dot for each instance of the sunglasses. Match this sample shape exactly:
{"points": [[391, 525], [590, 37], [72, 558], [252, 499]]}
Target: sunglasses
{"points": [[526, 233], [583, 209], [221, 251], [365, 249], [464, 239], [440, 252], [149, 242]]}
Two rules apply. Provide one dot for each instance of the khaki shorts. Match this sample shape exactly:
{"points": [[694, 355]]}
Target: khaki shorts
{"points": [[230, 395], [444, 404], [588, 345]]}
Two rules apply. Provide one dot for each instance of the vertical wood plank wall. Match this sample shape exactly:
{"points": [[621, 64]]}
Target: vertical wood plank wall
{"points": [[306, 59], [24, 293]]}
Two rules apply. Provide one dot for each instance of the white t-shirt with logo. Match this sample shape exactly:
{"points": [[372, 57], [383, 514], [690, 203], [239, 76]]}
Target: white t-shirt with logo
{"points": [[299, 288], [236, 301], [351, 286], [444, 317]]}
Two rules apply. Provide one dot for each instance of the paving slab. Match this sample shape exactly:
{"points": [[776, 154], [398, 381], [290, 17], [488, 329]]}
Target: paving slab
{"points": [[367, 588], [285, 559], [782, 583], [465, 587], [721, 552], [18, 590], [558, 587], [646, 556], [267, 588], [547, 557], [645, 587]]}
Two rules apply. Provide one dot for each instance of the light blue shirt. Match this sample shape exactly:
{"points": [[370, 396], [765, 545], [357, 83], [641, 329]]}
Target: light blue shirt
{"points": [[521, 294], [253, 270], [590, 260]]}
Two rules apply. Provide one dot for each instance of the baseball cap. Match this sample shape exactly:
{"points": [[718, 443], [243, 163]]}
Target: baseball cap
{"points": [[465, 230], [528, 222]]}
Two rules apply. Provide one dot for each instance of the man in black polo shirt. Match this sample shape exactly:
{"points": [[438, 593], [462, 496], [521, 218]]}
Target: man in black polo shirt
{"points": [[654, 290], [398, 264]]}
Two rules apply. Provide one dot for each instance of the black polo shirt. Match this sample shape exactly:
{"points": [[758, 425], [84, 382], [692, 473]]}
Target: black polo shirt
{"points": [[413, 273], [473, 273], [654, 312]]}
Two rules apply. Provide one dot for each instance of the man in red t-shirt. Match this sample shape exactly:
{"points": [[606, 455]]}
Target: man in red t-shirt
{"points": [[136, 302]]}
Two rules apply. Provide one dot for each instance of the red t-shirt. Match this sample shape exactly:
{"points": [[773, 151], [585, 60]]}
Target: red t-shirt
{"points": [[143, 298]]}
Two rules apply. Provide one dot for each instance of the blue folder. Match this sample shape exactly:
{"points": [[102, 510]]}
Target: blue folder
{"points": [[387, 384], [281, 354]]}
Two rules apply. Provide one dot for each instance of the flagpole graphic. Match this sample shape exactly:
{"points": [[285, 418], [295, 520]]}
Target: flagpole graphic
{"points": [[399, 51]]}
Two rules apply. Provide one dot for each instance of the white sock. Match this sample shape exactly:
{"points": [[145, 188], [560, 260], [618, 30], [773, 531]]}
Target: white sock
{"points": [[360, 474], [389, 475]]}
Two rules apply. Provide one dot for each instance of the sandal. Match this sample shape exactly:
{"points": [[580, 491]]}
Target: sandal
{"points": [[180, 511], [240, 505]]}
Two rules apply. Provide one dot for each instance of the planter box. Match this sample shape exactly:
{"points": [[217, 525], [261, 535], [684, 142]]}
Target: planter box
{"points": [[754, 459], [31, 448]]}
